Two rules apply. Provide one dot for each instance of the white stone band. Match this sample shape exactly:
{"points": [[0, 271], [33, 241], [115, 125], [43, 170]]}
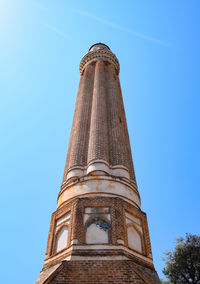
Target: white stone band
{"points": [[103, 185], [99, 167]]}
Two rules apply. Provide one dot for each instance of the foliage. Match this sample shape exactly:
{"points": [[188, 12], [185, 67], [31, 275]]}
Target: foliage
{"points": [[164, 281], [183, 264]]}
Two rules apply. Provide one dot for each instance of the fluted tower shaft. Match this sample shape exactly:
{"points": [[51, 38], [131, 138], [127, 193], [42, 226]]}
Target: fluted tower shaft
{"points": [[99, 141]]}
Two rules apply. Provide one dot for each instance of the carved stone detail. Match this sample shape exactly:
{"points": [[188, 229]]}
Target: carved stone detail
{"points": [[101, 54]]}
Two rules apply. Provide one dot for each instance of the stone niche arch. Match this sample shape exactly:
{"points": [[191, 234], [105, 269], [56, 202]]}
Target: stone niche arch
{"points": [[134, 238], [97, 231], [61, 238]]}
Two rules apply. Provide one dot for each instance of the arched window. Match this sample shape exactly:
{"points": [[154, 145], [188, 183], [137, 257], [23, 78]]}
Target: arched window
{"points": [[61, 238], [134, 238], [97, 231]]}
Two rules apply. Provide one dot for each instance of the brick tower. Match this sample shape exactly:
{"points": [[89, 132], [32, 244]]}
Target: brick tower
{"points": [[98, 234]]}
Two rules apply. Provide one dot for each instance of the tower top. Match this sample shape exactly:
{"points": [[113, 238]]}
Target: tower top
{"points": [[99, 52], [98, 46]]}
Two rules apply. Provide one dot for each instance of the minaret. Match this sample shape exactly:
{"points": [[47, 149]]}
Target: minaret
{"points": [[98, 234]]}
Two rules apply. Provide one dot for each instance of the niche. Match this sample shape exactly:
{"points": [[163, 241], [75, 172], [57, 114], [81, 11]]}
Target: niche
{"points": [[97, 232], [97, 225]]}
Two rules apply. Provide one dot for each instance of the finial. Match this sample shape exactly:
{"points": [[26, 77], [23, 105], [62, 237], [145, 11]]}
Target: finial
{"points": [[98, 46]]}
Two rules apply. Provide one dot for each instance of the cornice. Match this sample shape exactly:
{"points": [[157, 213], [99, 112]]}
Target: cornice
{"points": [[101, 54]]}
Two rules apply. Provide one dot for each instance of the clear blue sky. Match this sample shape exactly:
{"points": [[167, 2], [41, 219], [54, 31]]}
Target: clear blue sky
{"points": [[41, 45]]}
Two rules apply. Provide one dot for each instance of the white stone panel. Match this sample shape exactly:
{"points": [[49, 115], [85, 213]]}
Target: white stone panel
{"points": [[62, 219], [61, 239], [75, 173], [139, 228], [130, 218], [134, 240], [121, 173], [98, 167], [95, 234], [101, 210]]}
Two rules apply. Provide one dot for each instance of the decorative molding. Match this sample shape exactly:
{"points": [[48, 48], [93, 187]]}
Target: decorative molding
{"points": [[95, 186], [65, 186], [101, 54]]}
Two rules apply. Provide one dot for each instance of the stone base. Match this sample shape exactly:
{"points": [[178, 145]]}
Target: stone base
{"points": [[98, 271]]}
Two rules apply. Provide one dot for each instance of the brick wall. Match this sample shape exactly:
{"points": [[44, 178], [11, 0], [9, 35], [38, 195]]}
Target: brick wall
{"points": [[94, 272], [99, 129], [77, 230]]}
